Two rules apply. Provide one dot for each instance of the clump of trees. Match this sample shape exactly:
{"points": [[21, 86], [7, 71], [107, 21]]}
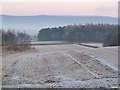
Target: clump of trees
{"points": [[101, 33], [15, 41], [51, 34], [111, 39]]}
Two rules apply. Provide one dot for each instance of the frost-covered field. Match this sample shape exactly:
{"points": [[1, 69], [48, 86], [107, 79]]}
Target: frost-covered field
{"points": [[93, 44], [68, 65], [47, 42]]}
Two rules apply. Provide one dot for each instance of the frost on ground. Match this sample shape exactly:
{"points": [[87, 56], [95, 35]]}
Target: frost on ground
{"points": [[66, 66]]}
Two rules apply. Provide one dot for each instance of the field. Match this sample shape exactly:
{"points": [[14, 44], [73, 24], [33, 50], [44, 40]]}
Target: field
{"points": [[66, 66]]}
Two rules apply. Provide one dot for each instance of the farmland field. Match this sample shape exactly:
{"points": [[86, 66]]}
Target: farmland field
{"points": [[67, 66]]}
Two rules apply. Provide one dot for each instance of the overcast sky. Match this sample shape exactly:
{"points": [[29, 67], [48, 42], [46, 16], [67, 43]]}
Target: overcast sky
{"points": [[76, 8]]}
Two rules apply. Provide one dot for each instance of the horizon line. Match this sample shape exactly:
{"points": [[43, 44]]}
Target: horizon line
{"points": [[58, 15]]}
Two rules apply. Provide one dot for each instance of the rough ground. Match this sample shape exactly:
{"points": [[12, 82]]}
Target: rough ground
{"points": [[62, 66]]}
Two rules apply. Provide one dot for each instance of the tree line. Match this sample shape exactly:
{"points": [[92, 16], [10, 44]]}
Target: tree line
{"points": [[15, 39], [101, 33]]}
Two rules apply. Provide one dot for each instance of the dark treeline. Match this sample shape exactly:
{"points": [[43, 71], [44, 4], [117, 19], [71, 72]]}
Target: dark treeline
{"points": [[102, 33], [15, 40]]}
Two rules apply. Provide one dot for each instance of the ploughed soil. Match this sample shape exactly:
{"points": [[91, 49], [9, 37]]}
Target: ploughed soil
{"points": [[65, 66]]}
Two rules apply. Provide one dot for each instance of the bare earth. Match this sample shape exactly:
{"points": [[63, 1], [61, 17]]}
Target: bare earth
{"points": [[66, 66]]}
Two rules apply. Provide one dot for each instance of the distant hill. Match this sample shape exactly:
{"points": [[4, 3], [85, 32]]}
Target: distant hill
{"points": [[32, 24]]}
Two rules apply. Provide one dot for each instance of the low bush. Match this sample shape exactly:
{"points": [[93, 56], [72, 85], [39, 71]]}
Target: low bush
{"points": [[17, 47]]}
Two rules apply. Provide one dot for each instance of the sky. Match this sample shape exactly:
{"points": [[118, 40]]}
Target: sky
{"points": [[60, 7], [57, 7]]}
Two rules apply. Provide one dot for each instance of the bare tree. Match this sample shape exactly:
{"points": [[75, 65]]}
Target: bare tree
{"points": [[23, 39]]}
